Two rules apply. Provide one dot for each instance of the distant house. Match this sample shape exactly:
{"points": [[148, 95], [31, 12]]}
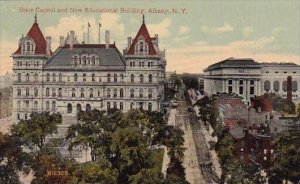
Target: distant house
{"points": [[253, 145]]}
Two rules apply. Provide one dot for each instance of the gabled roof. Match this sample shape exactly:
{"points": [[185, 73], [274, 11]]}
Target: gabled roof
{"points": [[36, 34], [142, 32]]}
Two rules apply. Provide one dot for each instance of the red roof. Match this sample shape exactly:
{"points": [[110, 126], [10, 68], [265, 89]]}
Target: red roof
{"points": [[36, 34], [144, 32]]}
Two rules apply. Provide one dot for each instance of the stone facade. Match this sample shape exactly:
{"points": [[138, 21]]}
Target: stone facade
{"points": [[86, 76], [247, 78]]}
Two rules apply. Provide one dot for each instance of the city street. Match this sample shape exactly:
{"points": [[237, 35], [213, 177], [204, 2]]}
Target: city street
{"points": [[198, 160]]}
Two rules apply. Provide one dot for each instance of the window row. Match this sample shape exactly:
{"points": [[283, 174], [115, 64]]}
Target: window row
{"points": [[78, 60], [141, 64], [241, 82], [35, 105], [27, 63], [27, 77], [276, 86]]}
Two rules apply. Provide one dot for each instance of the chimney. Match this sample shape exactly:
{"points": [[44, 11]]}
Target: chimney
{"points": [[156, 39], [61, 41], [106, 39], [128, 42], [83, 38], [72, 33], [48, 46], [289, 88]]}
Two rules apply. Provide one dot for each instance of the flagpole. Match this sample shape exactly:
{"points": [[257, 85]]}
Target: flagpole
{"points": [[99, 32], [88, 33]]}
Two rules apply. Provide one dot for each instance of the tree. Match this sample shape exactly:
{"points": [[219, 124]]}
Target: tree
{"points": [[35, 130], [173, 139], [147, 176], [285, 165], [12, 159], [129, 152], [175, 172]]}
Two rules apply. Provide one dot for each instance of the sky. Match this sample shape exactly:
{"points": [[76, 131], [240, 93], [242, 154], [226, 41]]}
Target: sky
{"points": [[199, 34]]}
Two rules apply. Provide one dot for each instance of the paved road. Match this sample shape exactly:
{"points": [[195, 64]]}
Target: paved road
{"points": [[198, 161]]}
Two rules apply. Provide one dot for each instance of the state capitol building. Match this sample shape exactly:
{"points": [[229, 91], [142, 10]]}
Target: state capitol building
{"points": [[82, 76]]}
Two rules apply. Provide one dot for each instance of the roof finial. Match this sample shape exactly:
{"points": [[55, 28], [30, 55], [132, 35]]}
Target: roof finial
{"points": [[35, 18], [143, 19]]}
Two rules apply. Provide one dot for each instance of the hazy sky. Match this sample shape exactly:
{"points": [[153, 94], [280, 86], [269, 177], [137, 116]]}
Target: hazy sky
{"points": [[208, 31]]}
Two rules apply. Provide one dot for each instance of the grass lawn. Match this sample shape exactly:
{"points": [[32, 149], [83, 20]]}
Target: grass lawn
{"points": [[157, 157]]}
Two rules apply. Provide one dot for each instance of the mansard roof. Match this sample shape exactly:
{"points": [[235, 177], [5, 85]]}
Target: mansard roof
{"points": [[142, 32], [110, 58], [36, 34], [234, 63]]}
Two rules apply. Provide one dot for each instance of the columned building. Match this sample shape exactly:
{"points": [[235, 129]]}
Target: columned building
{"points": [[83, 76], [248, 78]]}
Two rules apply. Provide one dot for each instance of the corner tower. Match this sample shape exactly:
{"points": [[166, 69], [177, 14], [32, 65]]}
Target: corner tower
{"points": [[145, 63]]}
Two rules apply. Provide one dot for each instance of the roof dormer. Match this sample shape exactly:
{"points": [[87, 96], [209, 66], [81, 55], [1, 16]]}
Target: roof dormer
{"points": [[27, 45]]}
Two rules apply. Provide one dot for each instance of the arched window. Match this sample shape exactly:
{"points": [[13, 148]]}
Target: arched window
{"points": [[82, 93], [276, 86], [73, 92], [69, 108], [108, 93], [267, 86], [122, 77], [35, 77], [294, 86], [36, 92], [284, 86], [59, 92], [150, 93], [141, 46], [60, 77], [78, 108], [132, 78], [54, 77], [47, 77], [47, 91], [93, 77], [19, 77], [93, 61], [141, 93], [131, 93], [84, 60], [121, 106], [141, 78], [53, 106], [19, 92], [150, 78], [108, 77], [131, 106], [75, 77], [84, 77], [108, 105], [115, 78], [27, 46], [149, 106], [47, 106], [115, 105], [91, 93], [27, 91], [53, 92], [88, 107], [115, 93], [27, 77], [35, 105], [121, 93]]}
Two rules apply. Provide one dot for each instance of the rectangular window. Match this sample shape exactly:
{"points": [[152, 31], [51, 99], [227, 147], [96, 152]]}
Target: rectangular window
{"points": [[251, 82], [241, 82], [251, 90], [230, 82], [229, 89], [241, 90]]}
